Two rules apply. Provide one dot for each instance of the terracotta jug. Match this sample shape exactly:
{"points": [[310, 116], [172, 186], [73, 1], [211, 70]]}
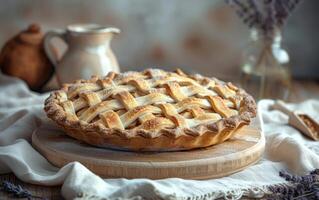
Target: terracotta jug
{"points": [[23, 56], [88, 52]]}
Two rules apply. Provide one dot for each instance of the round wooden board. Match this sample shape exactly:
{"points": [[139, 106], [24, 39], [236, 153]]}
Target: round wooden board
{"points": [[243, 150]]}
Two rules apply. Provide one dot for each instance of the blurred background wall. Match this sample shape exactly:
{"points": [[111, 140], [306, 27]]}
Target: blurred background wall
{"points": [[199, 36]]}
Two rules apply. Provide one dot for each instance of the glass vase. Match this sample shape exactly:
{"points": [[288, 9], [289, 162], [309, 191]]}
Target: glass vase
{"points": [[264, 71]]}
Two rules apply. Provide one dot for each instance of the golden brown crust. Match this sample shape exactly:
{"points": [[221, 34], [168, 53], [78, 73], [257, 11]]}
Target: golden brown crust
{"points": [[153, 118]]}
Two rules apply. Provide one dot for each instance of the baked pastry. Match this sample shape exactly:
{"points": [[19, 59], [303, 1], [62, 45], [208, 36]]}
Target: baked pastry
{"points": [[152, 110]]}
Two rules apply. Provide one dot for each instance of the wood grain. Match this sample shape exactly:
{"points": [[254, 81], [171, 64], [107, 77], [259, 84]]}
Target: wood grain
{"points": [[220, 160]]}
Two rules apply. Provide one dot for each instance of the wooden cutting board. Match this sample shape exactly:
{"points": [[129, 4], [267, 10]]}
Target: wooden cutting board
{"points": [[236, 154]]}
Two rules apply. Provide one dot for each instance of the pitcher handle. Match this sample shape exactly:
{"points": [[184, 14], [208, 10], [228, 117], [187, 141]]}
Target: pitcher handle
{"points": [[47, 38]]}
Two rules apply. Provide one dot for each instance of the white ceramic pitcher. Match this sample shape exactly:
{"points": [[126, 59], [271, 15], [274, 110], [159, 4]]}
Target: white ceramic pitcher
{"points": [[88, 53]]}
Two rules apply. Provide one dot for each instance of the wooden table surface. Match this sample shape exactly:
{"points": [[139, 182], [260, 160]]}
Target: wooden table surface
{"points": [[301, 91]]}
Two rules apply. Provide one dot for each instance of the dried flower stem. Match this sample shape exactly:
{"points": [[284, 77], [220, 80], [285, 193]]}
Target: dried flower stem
{"points": [[299, 187], [17, 191], [264, 15]]}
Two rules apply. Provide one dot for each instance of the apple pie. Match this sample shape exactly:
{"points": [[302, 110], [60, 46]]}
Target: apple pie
{"points": [[152, 110]]}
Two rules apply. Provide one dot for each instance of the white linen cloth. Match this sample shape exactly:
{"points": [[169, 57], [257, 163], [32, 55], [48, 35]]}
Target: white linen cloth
{"points": [[21, 112]]}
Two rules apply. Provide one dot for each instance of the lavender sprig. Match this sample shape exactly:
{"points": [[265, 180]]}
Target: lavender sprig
{"points": [[17, 191], [299, 187], [264, 15]]}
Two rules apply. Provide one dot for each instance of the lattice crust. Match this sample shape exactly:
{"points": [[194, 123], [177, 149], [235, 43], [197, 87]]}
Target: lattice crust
{"points": [[150, 104]]}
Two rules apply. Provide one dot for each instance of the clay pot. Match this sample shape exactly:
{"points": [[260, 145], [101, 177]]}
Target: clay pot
{"points": [[23, 56]]}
